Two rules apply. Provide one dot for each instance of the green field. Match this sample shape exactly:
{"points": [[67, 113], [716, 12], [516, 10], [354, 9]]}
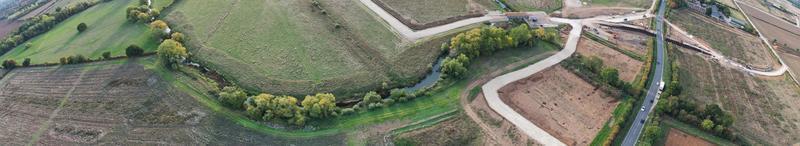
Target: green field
{"points": [[292, 47], [108, 31], [443, 99]]}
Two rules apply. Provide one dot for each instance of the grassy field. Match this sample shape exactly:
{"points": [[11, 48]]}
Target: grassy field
{"points": [[731, 42], [292, 47], [460, 130], [108, 31], [620, 3], [427, 11], [762, 107], [535, 5]]}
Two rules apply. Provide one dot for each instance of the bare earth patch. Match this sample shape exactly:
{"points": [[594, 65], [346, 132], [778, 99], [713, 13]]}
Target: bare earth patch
{"points": [[561, 103], [678, 138], [627, 66]]}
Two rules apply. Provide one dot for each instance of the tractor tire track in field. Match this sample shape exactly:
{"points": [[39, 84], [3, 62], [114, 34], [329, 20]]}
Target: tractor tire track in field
{"points": [[46, 124], [221, 21]]}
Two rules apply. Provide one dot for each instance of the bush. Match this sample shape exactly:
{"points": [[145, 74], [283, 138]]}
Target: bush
{"points": [[106, 55], [371, 97], [133, 51], [27, 62], [9, 64], [82, 27], [348, 111], [232, 97]]}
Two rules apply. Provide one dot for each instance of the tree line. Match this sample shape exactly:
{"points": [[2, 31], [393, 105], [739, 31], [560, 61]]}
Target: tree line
{"points": [[487, 40]]}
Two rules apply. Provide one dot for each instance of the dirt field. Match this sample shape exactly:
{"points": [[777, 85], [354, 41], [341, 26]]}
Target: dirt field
{"points": [[113, 103], [765, 109], [588, 12], [627, 66], [561, 103], [427, 11], [39, 11], [535, 5], [791, 16], [678, 138], [501, 131], [459, 130], [7, 26], [773, 28], [735, 44]]}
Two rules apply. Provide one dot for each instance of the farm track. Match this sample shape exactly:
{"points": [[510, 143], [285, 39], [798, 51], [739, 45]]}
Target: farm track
{"points": [[49, 121]]}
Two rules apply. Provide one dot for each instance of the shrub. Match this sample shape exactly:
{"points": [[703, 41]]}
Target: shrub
{"points": [[133, 51], [106, 55], [388, 102], [232, 97], [371, 97], [82, 27], [27, 62], [348, 111], [9, 64], [177, 36]]}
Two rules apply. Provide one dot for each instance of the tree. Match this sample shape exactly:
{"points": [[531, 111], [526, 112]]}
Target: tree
{"points": [[106, 55], [521, 35], [320, 105], [610, 75], [159, 25], [707, 124], [719, 129], [133, 51], [453, 67], [172, 52], [26, 62], [371, 97], [142, 17], [82, 27], [9, 64], [177, 36], [593, 63], [232, 97]]}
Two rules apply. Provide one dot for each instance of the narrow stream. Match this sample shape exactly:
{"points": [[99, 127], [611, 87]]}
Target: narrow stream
{"points": [[430, 79]]}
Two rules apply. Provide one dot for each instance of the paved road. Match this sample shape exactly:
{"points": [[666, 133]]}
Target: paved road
{"points": [[493, 98], [636, 129]]}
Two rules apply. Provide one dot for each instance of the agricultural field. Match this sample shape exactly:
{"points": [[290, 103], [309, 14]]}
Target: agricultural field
{"points": [[679, 138], [789, 15], [763, 107], [39, 11], [535, 5], [628, 67], [773, 28], [108, 31], [619, 3], [428, 11], [459, 130], [63, 3], [114, 102], [733, 43], [8, 26], [562, 104], [293, 47]]}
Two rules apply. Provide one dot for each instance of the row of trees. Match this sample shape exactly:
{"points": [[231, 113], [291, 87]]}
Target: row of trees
{"points": [[40, 24], [592, 68], [281, 108], [487, 40]]}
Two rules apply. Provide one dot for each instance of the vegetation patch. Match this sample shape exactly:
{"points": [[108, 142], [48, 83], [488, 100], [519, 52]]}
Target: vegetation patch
{"points": [[107, 31]]}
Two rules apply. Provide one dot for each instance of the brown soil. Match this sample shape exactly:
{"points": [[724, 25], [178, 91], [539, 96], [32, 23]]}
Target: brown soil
{"points": [[678, 138], [773, 28], [597, 11], [7, 26], [112, 103], [561, 103], [627, 66], [459, 130], [765, 108]]}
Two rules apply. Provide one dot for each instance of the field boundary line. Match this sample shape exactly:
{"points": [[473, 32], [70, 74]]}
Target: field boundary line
{"points": [[46, 124]]}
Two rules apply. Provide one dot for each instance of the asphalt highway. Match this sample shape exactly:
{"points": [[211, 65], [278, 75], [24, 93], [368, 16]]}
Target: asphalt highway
{"points": [[641, 115]]}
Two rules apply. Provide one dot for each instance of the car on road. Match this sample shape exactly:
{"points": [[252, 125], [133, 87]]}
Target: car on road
{"points": [[641, 121], [642, 108]]}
